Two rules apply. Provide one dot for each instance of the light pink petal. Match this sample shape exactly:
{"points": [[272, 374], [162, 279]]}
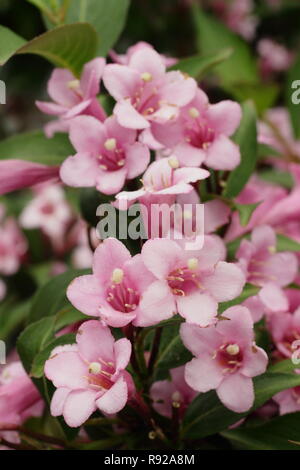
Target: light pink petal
{"points": [[115, 398], [188, 155], [19, 174], [95, 341], [255, 306], [79, 406], [216, 214], [78, 109], [85, 293], [50, 108], [223, 154], [226, 282], [122, 134], [224, 117], [161, 257], [87, 134], [122, 352], [147, 60], [190, 175], [58, 401], [179, 90], [281, 268], [91, 76], [80, 170], [273, 298], [264, 237], [128, 116], [66, 369], [236, 393], [111, 182], [115, 318], [137, 159], [200, 340], [255, 362], [135, 270], [199, 309], [157, 304], [237, 325], [203, 373], [58, 88], [109, 255], [121, 81]]}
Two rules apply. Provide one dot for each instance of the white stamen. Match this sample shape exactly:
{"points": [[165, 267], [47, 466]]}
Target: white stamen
{"points": [[272, 249], [194, 113], [173, 162], [117, 276], [146, 76], [233, 349], [110, 144], [95, 368], [73, 84], [192, 263]]}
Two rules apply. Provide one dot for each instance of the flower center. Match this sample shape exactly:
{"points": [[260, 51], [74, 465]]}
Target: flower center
{"points": [[198, 134], [230, 357], [112, 157], [99, 374], [120, 295], [183, 281]]}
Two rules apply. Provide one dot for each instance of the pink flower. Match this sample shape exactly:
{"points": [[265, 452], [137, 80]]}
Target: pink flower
{"points": [[260, 262], [188, 282], [19, 174], [108, 155], [201, 133], [175, 393], [114, 290], [288, 400], [226, 358], [238, 16], [48, 211], [124, 59], [89, 375], [270, 299], [72, 97], [285, 330], [145, 92], [164, 178], [13, 247], [19, 399], [274, 57]]}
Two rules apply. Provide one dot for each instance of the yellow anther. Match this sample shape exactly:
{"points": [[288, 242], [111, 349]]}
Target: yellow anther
{"points": [[117, 276], [110, 144]]}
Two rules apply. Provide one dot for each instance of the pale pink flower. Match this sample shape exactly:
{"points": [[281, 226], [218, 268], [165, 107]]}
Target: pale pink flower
{"points": [[260, 262], [238, 16], [285, 329], [108, 155], [166, 394], [201, 133], [288, 400], [13, 247], [19, 398], [227, 358], [270, 299], [124, 59], [274, 57], [19, 174], [114, 290], [145, 92], [72, 97], [188, 282], [48, 211], [90, 374]]}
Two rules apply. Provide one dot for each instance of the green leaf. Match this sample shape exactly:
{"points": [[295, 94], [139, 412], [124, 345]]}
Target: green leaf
{"points": [[246, 138], [277, 434], [68, 46], [199, 65], [35, 147], [206, 415], [265, 150], [263, 96], [294, 109], [10, 42], [212, 37], [107, 17], [51, 298], [245, 212], [287, 244], [37, 368], [172, 353], [283, 178], [12, 316]]}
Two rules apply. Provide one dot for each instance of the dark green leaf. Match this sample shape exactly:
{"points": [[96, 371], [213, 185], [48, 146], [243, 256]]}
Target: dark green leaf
{"points": [[287, 244], [10, 42], [245, 212], [246, 138], [172, 353]]}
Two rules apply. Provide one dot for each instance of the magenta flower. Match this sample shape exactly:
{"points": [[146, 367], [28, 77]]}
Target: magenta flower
{"points": [[175, 393], [114, 290], [188, 282], [201, 133], [226, 358], [72, 97], [108, 155], [145, 92], [260, 262], [90, 374], [19, 398]]}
